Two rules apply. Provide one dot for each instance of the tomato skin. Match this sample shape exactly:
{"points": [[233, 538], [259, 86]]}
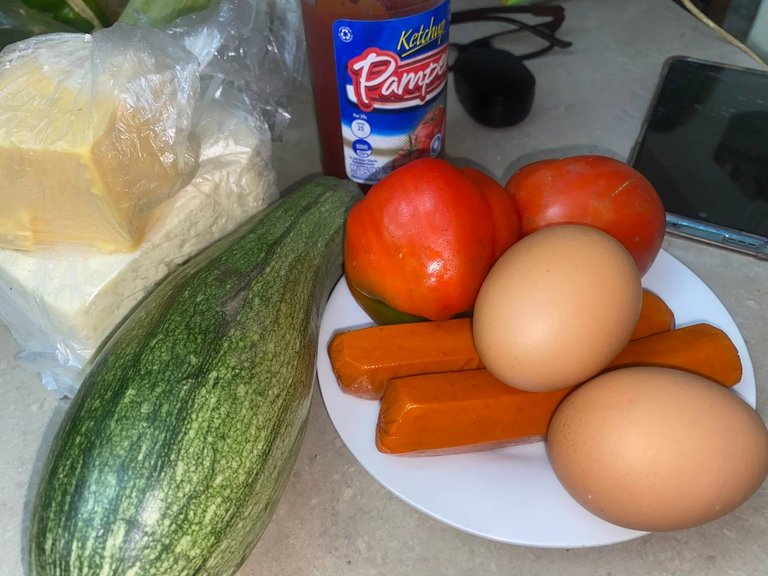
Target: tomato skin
{"points": [[379, 311], [596, 190], [421, 241], [505, 218]]}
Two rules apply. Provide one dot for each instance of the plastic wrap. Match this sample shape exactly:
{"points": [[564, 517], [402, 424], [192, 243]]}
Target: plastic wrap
{"points": [[154, 13], [94, 133], [82, 15], [251, 51], [60, 303], [18, 21]]}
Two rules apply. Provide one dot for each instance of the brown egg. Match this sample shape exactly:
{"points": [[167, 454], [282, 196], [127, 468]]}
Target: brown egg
{"points": [[556, 308], [657, 449]]}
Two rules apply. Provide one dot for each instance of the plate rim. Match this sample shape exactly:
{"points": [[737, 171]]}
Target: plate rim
{"points": [[746, 389]]}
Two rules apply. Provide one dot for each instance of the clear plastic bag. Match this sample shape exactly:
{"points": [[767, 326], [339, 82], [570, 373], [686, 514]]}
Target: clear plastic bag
{"points": [[18, 22], [249, 50], [95, 131], [60, 303]]}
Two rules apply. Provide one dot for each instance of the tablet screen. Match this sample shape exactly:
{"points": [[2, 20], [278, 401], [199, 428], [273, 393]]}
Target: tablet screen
{"points": [[705, 144]]}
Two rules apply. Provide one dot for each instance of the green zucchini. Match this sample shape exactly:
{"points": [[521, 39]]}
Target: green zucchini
{"points": [[177, 447]]}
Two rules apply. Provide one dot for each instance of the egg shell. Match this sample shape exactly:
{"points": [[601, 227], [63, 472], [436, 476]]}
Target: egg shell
{"points": [[556, 308], [656, 449]]}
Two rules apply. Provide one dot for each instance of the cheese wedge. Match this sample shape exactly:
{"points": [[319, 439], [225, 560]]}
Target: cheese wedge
{"points": [[61, 303], [94, 133]]}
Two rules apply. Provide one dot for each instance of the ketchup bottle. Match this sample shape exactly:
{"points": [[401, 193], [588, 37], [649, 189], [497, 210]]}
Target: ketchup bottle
{"points": [[379, 70]]}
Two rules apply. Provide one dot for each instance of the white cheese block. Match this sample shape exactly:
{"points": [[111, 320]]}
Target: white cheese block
{"points": [[60, 304], [94, 133]]}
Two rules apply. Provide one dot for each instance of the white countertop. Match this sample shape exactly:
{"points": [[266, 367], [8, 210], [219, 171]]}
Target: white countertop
{"points": [[334, 519]]}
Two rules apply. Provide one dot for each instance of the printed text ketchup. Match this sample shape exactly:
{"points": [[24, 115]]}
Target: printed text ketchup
{"points": [[379, 71]]}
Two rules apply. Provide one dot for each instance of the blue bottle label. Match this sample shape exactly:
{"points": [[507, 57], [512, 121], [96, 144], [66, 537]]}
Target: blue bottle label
{"points": [[392, 76]]}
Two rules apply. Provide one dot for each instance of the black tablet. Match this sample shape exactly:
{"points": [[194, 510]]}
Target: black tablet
{"points": [[704, 146]]}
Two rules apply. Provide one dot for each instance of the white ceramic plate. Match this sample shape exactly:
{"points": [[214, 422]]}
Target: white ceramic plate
{"points": [[511, 494]]}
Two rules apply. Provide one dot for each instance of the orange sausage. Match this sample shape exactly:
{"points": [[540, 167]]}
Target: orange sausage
{"points": [[699, 348], [471, 410], [364, 360], [460, 412], [655, 316]]}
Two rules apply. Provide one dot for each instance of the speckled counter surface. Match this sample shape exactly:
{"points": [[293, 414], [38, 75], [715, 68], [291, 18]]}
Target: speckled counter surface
{"points": [[334, 519]]}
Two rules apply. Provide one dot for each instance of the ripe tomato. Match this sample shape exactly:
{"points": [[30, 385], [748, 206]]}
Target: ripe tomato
{"points": [[506, 222], [594, 190], [420, 243]]}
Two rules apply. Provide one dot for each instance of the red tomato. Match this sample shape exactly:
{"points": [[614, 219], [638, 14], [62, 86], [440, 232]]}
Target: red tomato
{"points": [[594, 190], [506, 222], [420, 242]]}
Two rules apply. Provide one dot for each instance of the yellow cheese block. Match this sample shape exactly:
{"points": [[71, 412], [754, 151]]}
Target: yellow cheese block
{"points": [[60, 304], [93, 135]]}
